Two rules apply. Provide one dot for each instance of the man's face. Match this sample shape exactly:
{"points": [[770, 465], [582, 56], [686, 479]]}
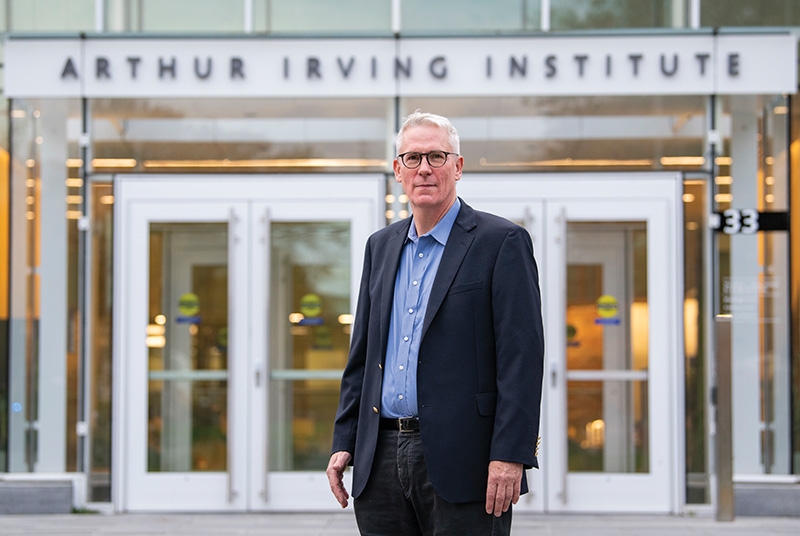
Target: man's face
{"points": [[428, 188]]}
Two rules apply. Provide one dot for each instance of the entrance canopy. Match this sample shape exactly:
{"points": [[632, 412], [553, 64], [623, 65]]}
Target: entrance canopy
{"points": [[690, 63]]}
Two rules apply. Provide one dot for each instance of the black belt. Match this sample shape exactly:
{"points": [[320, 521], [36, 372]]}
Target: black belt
{"points": [[403, 424]]}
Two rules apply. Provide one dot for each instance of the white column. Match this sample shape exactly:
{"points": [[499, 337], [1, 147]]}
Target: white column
{"points": [[248, 16], [21, 210], [114, 17], [53, 291]]}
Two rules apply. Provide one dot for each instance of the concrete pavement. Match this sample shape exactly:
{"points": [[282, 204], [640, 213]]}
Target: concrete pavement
{"points": [[341, 524]]}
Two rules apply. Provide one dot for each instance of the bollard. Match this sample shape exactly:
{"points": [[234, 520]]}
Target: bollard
{"points": [[723, 403]]}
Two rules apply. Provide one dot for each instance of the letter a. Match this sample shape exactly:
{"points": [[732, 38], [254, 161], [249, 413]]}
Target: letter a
{"points": [[69, 70]]}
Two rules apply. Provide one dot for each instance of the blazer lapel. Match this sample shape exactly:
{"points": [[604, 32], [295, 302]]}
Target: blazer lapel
{"points": [[458, 243], [390, 264]]}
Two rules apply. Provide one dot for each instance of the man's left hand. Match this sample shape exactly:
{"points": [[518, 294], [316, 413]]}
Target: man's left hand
{"points": [[505, 480]]}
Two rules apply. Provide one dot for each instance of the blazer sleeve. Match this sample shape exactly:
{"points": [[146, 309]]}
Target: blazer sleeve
{"points": [[519, 342], [346, 422]]}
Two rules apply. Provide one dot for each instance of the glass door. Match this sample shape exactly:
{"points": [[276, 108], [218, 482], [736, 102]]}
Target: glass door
{"points": [[309, 274], [614, 362], [608, 254], [232, 315]]}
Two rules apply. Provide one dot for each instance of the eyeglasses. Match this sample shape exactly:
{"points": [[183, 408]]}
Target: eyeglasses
{"points": [[436, 159]]}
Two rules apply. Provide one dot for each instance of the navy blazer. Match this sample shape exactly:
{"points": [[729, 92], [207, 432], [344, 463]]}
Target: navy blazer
{"points": [[479, 377]]}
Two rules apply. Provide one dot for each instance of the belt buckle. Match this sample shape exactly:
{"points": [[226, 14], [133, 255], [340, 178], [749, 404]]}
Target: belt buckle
{"points": [[406, 425]]}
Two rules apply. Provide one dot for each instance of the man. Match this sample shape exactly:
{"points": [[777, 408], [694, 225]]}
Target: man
{"points": [[439, 404]]}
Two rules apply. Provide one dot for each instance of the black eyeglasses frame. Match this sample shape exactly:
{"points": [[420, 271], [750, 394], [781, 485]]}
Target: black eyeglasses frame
{"points": [[402, 158]]}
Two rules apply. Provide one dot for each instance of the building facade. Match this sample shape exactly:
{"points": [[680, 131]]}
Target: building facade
{"points": [[188, 187]]}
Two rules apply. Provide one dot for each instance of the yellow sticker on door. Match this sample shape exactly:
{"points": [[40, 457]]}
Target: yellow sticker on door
{"points": [[607, 310], [188, 309], [311, 308]]}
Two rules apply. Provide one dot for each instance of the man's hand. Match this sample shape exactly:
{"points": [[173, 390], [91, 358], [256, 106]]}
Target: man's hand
{"points": [[505, 480], [336, 466]]}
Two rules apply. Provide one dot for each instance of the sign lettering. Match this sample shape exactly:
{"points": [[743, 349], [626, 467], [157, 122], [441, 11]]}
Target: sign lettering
{"points": [[748, 221]]}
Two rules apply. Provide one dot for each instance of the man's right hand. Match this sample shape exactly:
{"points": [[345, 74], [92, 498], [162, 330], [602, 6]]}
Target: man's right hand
{"points": [[336, 466]]}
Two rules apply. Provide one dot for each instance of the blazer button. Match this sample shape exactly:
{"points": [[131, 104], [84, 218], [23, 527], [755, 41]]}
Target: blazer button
{"points": [[374, 409]]}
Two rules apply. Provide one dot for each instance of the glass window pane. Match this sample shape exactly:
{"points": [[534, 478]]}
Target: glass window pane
{"points": [[595, 14], [323, 16], [470, 16], [239, 135], [191, 16], [187, 347], [5, 325], [749, 13], [564, 134], [607, 426], [754, 281], [101, 290], [794, 207], [51, 15], [43, 276], [310, 339], [695, 309], [607, 355]]}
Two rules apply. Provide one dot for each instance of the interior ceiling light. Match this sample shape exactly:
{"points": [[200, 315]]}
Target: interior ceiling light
{"points": [[682, 160], [113, 163], [570, 162], [267, 163]]}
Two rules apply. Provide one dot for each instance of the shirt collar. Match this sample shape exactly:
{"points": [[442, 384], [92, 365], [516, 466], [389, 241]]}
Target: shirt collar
{"points": [[442, 229]]}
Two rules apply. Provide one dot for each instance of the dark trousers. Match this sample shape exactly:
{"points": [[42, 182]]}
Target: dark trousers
{"points": [[400, 500]]}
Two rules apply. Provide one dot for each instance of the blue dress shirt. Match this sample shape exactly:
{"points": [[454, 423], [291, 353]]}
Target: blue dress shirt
{"points": [[419, 262]]}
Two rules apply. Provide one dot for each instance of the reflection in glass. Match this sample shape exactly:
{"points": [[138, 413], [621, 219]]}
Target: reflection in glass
{"points": [[596, 14], [309, 339], [188, 348], [749, 13], [49, 16], [343, 17], [470, 17], [175, 16]]}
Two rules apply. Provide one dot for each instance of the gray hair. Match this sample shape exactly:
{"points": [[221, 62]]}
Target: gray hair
{"points": [[418, 119]]}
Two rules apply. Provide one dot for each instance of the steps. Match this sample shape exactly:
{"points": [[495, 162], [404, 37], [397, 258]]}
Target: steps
{"points": [[781, 500], [35, 497]]}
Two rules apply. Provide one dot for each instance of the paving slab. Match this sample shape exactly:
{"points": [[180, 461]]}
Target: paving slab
{"points": [[341, 524]]}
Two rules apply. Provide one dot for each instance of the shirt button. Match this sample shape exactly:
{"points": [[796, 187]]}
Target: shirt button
{"points": [[405, 339], [401, 367], [400, 397], [411, 310], [421, 255], [414, 283]]}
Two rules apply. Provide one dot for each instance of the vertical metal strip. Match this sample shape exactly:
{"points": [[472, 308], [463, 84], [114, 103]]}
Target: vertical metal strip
{"points": [[83, 387], [267, 252], [233, 220]]}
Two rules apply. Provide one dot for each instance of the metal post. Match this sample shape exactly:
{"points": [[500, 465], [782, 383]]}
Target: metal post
{"points": [[724, 422]]}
